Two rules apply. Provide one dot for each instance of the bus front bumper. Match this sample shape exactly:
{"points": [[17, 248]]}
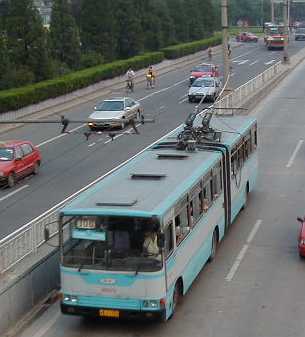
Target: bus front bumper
{"points": [[112, 313]]}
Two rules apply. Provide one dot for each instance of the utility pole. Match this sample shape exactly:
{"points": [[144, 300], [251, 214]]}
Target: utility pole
{"points": [[286, 31], [272, 11], [225, 27]]}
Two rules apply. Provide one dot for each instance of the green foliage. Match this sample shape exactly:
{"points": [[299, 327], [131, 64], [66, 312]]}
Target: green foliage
{"points": [[91, 59], [26, 39], [64, 35], [180, 50], [16, 98]]}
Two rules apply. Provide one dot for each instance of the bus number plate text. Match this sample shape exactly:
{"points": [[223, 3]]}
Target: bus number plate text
{"points": [[109, 313]]}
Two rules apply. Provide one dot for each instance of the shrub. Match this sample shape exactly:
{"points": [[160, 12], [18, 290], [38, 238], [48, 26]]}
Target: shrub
{"points": [[173, 52], [17, 98]]}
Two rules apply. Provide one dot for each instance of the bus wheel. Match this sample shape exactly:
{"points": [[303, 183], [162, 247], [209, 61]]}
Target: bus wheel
{"points": [[176, 297], [246, 197], [214, 246]]}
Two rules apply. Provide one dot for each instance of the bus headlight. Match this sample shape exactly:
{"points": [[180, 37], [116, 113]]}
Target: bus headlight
{"points": [[70, 298], [152, 304]]}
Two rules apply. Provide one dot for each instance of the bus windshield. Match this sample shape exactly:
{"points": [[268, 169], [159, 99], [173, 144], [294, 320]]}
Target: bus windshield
{"points": [[112, 243]]}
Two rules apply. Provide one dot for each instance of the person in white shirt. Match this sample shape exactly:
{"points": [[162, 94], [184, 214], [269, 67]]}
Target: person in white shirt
{"points": [[150, 244], [130, 79]]}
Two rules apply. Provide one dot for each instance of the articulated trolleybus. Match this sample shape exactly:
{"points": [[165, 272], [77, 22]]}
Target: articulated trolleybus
{"points": [[133, 244]]}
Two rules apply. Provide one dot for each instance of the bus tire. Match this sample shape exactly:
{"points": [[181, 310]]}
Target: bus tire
{"points": [[214, 246], [246, 197], [176, 298]]}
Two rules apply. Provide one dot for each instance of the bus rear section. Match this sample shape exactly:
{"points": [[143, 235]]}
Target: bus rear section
{"points": [[105, 273]]}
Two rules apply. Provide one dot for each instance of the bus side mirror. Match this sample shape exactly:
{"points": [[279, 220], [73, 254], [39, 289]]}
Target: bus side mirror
{"points": [[161, 240], [46, 234], [300, 219]]}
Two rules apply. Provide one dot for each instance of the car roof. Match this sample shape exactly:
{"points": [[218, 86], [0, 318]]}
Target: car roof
{"points": [[13, 142]]}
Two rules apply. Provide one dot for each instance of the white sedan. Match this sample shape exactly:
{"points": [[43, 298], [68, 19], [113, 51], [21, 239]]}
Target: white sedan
{"points": [[116, 112], [207, 88]]}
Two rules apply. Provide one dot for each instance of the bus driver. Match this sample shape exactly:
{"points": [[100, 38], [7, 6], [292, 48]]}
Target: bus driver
{"points": [[150, 244]]}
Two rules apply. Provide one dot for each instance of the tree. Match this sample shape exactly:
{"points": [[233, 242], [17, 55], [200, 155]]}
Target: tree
{"points": [[130, 33], [26, 39], [98, 28], [64, 34]]}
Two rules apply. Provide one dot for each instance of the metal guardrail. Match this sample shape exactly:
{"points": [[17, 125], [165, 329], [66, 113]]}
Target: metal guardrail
{"points": [[27, 239]]}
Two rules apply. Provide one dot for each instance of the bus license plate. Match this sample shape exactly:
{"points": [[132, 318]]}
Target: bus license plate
{"points": [[109, 313]]}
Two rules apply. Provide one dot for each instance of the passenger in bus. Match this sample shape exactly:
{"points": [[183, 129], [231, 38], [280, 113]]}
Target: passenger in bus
{"points": [[150, 244], [205, 205]]}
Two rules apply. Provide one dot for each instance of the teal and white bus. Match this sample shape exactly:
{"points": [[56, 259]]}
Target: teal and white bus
{"points": [[133, 244]]}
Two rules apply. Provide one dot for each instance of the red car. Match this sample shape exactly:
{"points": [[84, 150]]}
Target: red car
{"points": [[246, 37], [17, 160], [301, 238], [204, 70]]}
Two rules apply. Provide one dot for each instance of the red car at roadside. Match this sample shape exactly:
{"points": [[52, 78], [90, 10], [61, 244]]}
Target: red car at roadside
{"points": [[246, 37], [17, 160], [301, 238]]}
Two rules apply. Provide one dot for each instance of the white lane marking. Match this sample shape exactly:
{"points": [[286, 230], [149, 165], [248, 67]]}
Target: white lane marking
{"points": [[243, 252], [240, 62], [92, 144], [14, 192], [59, 136], [181, 98], [184, 100], [242, 55], [162, 90], [295, 152], [42, 331], [232, 74], [270, 62], [252, 64], [253, 231]]}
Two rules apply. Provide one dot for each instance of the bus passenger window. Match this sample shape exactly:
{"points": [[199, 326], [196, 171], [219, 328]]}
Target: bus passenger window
{"points": [[181, 225], [196, 207], [207, 195], [169, 242]]}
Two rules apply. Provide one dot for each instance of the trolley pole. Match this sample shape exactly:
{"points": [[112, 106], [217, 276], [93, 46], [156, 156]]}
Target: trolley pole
{"points": [[286, 32], [225, 49]]}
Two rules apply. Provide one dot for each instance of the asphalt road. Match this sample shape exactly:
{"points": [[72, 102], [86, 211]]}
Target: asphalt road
{"points": [[255, 286], [70, 162]]}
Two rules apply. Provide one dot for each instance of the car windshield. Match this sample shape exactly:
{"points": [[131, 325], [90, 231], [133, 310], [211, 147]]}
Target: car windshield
{"points": [[203, 82], [6, 154], [202, 68], [113, 243], [110, 106]]}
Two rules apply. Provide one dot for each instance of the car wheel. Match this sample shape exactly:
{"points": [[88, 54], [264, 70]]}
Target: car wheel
{"points": [[190, 99], [36, 168], [11, 180]]}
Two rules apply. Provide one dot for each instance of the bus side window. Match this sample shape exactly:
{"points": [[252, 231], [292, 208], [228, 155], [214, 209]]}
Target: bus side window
{"points": [[207, 195], [217, 182], [169, 242], [181, 225], [196, 205]]}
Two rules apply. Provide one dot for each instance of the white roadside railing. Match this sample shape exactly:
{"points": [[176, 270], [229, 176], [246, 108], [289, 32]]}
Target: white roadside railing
{"points": [[27, 239]]}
